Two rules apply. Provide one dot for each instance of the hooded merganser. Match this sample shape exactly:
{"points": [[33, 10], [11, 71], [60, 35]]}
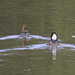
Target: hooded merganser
{"points": [[54, 39], [25, 32]]}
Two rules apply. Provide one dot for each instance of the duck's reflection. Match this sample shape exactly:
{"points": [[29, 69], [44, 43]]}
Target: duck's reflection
{"points": [[24, 41], [53, 50]]}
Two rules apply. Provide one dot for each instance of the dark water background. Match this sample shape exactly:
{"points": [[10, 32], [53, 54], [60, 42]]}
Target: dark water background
{"points": [[34, 57]]}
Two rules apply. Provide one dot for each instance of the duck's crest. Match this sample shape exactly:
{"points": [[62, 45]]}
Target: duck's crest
{"points": [[24, 28]]}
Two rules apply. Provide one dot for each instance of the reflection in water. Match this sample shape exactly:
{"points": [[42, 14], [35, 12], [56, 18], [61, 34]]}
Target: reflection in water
{"points": [[53, 49], [24, 41]]}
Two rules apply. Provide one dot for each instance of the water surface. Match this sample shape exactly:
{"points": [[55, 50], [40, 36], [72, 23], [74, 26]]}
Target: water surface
{"points": [[32, 55]]}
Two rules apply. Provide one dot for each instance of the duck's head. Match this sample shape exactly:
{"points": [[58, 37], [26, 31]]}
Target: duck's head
{"points": [[54, 38], [24, 28], [25, 32]]}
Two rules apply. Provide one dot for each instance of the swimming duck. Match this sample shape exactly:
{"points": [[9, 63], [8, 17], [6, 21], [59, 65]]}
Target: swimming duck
{"points": [[25, 32], [54, 39]]}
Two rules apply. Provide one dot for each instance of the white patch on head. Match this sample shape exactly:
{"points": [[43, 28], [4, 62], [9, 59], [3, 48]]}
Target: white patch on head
{"points": [[54, 37]]}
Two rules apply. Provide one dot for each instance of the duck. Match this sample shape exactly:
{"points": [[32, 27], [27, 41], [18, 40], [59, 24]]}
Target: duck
{"points": [[25, 32], [54, 39]]}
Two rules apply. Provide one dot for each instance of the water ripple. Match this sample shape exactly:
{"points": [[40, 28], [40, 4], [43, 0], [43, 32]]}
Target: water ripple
{"points": [[38, 46], [40, 37], [30, 47], [9, 37], [34, 46], [67, 45], [18, 36]]}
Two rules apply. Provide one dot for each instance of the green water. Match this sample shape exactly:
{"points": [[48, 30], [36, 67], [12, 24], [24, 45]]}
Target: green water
{"points": [[41, 17]]}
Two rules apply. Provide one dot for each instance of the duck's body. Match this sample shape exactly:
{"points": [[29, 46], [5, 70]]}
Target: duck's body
{"points": [[25, 32], [54, 39]]}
